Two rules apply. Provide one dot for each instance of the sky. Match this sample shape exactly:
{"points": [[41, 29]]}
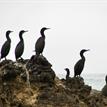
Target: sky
{"points": [[75, 25]]}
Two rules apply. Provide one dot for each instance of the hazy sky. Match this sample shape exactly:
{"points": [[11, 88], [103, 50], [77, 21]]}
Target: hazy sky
{"points": [[75, 25]]}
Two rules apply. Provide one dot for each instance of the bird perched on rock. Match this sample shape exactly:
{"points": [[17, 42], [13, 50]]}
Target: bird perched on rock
{"points": [[106, 79], [78, 68], [68, 72], [104, 90], [20, 46], [6, 46], [40, 43]]}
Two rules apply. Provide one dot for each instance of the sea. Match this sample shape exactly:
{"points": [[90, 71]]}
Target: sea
{"points": [[97, 81]]}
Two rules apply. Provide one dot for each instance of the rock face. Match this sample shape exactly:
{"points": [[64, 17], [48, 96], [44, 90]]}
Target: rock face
{"points": [[78, 86], [40, 70], [46, 90]]}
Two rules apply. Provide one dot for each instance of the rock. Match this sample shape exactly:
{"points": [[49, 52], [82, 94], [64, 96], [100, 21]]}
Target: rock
{"points": [[95, 100], [77, 85], [1, 103], [46, 90], [58, 98], [40, 70], [22, 61], [9, 70], [5, 62], [75, 82], [40, 62]]}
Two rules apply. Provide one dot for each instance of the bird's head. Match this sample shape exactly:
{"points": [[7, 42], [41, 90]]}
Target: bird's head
{"points": [[66, 69], [8, 32], [68, 72], [43, 29], [23, 31], [106, 79], [84, 50]]}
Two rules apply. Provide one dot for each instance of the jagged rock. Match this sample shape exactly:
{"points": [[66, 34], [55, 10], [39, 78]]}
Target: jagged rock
{"points": [[1, 103], [75, 82], [39, 61], [9, 70], [22, 61], [57, 97], [5, 62], [77, 85], [94, 100], [105, 101], [40, 70], [46, 90]]}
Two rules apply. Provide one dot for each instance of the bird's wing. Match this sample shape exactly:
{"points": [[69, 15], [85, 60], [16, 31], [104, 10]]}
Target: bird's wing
{"points": [[19, 49], [79, 66], [5, 48], [39, 44]]}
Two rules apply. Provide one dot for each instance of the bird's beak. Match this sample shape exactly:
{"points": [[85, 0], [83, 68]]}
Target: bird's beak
{"points": [[11, 31], [88, 49], [47, 28], [26, 31], [65, 68]]}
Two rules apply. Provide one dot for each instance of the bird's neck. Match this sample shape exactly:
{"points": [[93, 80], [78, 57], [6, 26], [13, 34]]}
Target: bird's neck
{"points": [[42, 34], [106, 79], [8, 38], [68, 73], [82, 56], [20, 36]]}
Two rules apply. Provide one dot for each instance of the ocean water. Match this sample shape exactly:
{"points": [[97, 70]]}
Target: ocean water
{"points": [[97, 81]]}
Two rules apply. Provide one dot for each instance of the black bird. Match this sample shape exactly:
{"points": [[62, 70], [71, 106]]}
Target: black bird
{"points": [[40, 43], [80, 64], [104, 89], [106, 79], [6, 46], [20, 46], [68, 73]]}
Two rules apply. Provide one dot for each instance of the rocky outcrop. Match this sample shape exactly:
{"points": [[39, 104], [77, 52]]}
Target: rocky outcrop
{"points": [[45, 90], [40, 70]]}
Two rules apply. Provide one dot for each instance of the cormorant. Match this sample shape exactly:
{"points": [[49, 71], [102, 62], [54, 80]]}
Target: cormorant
{"points": [[40, 43], [104, 89], [20, 46], [6, 46], [68, 73], [80, 64], [106, 79]]}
